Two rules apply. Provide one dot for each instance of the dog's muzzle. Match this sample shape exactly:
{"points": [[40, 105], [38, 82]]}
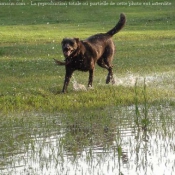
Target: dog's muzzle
{"points": [[67, 52]]}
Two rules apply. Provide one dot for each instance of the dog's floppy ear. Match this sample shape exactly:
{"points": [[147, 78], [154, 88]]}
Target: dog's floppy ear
{"points": [[77, 40]]}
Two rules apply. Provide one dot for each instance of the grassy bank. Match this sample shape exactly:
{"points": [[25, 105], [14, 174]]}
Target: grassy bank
{"points": [[30, 38]]}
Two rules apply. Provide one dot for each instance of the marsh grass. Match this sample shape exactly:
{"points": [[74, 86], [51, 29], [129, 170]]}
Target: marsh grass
{"points": [[141, 113], [137, 113]]}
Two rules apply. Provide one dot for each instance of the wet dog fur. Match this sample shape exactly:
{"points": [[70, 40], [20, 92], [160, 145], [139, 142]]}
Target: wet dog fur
{"points": [[84, 54]]}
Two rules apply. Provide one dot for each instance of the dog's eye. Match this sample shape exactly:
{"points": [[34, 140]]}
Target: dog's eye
{"points": [[67, 49], [71, 43]]}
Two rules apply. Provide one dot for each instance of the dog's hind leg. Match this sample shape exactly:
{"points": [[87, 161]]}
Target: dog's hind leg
{"points": [[108, 58], [106, 64], [102, 64], [110, 77]]}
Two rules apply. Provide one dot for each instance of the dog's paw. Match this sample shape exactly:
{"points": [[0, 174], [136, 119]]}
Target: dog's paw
{"points": [[108, 79]]}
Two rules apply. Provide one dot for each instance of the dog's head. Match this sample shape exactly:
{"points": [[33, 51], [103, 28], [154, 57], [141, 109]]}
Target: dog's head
{"points": [[69, 46]]}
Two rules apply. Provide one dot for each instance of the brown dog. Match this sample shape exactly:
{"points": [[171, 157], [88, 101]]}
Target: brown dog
{"points": [[82, 55]]}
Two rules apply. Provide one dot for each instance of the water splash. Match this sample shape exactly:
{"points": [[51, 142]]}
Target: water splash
{"points": [[128, 80], [158, 80], [77, 86]]}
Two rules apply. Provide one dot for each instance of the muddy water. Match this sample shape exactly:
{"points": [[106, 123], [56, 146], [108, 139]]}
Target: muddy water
{"points": [[117, 145]]}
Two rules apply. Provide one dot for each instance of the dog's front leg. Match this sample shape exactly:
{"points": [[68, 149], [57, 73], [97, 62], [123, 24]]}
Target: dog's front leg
{"points": [[67, 79], [91, 75]]}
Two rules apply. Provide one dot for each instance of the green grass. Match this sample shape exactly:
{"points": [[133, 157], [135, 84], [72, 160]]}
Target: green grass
{"points": [[31, 36]]}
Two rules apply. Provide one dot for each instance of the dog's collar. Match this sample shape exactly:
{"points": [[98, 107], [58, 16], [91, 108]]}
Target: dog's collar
{"points": [[74, 53]]}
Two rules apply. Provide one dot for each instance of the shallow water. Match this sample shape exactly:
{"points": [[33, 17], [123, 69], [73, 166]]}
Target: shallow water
{"points": [[114, 144]]}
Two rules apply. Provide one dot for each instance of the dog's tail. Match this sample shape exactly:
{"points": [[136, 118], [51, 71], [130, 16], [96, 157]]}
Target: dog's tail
{"points": [[118, 26], [60, 63]]}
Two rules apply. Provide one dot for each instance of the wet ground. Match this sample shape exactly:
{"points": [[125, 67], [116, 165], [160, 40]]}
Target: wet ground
{"points": [[131, 140]]}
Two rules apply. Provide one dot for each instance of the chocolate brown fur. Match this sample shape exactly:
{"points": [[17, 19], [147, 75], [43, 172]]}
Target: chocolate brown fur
{"points": [[83, 55]]}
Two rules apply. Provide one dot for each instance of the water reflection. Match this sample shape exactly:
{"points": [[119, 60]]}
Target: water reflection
{"points": [[83, 145]]}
